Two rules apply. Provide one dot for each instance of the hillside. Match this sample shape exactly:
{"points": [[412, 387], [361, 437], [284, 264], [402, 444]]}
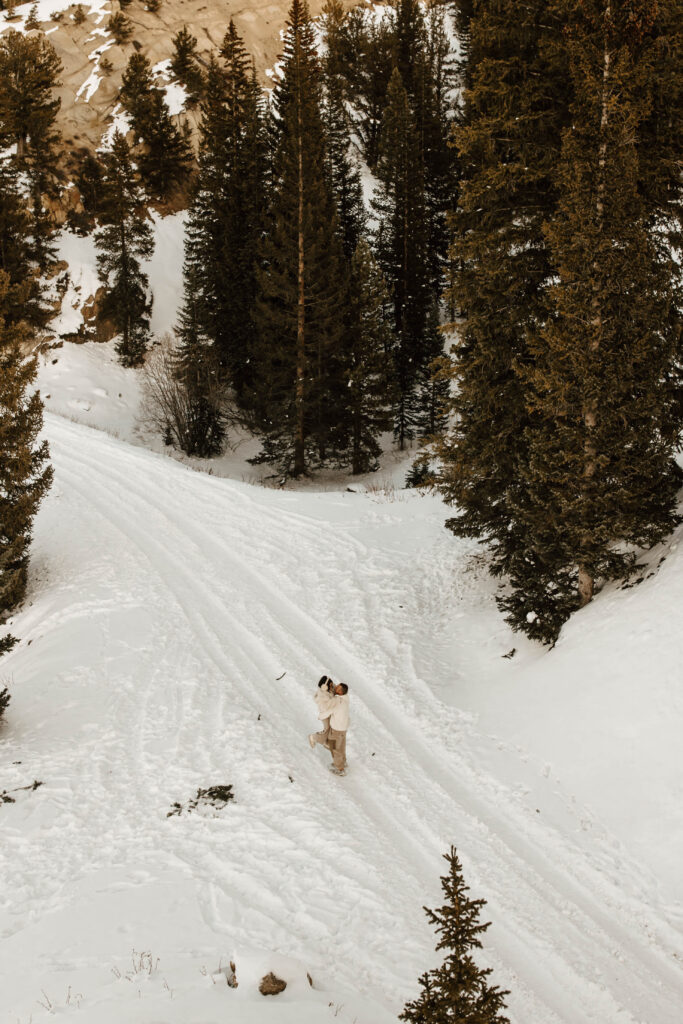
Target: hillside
{"points": [[176, 627], [89, 96]]}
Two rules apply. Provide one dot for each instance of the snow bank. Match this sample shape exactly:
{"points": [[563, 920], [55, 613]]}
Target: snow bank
{"points": [[175, 629]]}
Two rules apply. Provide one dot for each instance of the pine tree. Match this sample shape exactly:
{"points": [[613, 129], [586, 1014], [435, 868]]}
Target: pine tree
{"points": [[227, 211], [124, 239], [32, 23], [302, 280], [370, 63], [459, 990], [29, 71], [137, 83], [16, 253], [185, 63], [25, 474], [368, 343], [600, 479], [508, 140], [202, 424], [401, 242], [165, 159], [342, 169], [121, 27]]}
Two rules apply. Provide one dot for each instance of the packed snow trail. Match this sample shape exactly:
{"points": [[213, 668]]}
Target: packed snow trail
{"points": [[186, 598]]}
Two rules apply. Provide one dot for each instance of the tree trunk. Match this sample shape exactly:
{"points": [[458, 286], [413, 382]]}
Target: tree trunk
{"points": [[590, 413], [300, 437]]}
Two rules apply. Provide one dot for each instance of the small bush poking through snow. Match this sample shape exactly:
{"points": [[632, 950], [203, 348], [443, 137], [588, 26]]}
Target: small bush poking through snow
{"points": [[4, 701], [214, 796]]}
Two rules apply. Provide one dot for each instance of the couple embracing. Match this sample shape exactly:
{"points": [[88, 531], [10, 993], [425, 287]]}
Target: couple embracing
{"points": [[333, 711]]}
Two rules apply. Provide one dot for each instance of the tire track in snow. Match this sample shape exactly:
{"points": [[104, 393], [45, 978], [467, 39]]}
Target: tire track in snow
{"points": [[488, 828]]}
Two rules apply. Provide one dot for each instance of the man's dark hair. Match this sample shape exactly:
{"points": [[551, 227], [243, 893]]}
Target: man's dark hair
{"points": [[344, 687]]}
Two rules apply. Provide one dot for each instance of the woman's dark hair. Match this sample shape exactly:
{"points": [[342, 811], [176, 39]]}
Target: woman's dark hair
{"points": [[324, 680]]}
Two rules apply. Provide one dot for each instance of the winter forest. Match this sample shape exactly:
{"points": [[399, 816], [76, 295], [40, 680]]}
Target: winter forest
{"points": [[341, 343]]}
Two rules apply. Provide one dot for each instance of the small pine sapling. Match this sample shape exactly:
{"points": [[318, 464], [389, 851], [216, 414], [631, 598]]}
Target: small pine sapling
{"points": [[459, 989], [153, 6], [32, 22], [78, 15], [120, 27], [4, 700], [105, 66]]}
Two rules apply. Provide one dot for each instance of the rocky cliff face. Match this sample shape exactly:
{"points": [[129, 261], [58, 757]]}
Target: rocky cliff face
{"points": [[89, 90]]}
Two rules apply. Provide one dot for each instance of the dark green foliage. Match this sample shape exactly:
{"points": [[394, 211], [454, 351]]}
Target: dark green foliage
{"points": [[29, 71], [369, 385], [302, 281], [215, 796], [421, 472], [342, 170], [508, 141], [228, 210], [459, 990], [122, 242], [89, 181], [185, 64], [198, 428], [4, 692], [79, 15], [25, 474], [401, 247], [16, 253], [432, 382], [7, 642], [121, 27], [154, 6], [360, 52], [137, 85], [165, 158], [32, 22], [599, 480]]}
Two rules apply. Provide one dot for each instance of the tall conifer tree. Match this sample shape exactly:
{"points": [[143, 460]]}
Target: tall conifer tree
{"points": [[165, 159], [401, 247], [25, 473], [600, 478], [299, 312], [368, 343], [508, 141], [16, 253], [124, 239], [342, 169], [227, 211], [200, 425]]}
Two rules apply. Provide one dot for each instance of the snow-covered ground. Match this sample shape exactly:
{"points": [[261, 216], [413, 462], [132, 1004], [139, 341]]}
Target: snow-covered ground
{"points": [[175, 629]]}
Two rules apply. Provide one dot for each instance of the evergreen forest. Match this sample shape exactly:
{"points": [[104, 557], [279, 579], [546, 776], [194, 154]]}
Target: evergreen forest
{"points": [[453, 227]]}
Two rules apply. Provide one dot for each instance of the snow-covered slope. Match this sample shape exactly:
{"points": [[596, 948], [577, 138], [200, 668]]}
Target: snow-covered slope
{"points": [[176, 628]]}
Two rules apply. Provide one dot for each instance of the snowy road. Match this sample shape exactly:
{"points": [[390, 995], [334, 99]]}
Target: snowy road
{"points": [[167, 604]]}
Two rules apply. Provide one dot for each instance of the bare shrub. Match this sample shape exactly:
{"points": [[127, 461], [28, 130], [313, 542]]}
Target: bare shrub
{"points": [[190, 413]]}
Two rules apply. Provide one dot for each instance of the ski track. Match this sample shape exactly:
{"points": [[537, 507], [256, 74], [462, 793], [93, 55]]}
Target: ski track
{"points": [[234, 594]]}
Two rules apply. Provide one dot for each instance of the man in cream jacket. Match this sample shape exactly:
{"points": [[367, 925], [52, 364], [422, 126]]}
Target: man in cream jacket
{"points": [[333, 711]]}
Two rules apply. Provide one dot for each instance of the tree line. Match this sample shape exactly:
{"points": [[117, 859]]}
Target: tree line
{"points": [[323, 325], [538, 210], [565, 409]]}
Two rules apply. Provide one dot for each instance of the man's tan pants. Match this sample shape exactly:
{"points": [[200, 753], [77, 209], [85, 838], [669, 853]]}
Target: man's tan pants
{"points": [[336, 744]]}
